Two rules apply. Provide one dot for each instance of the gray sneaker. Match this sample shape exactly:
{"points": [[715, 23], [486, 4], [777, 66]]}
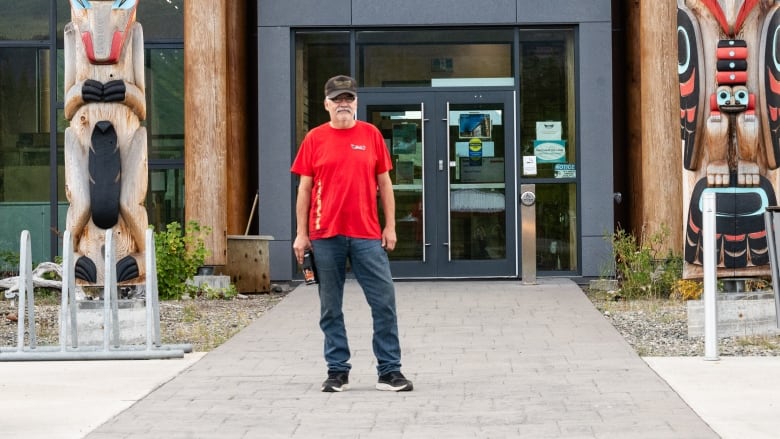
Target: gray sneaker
{"points": [[336, 382], [395, 382]]}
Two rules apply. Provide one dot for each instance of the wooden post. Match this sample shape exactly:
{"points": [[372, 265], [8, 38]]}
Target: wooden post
{"points": [[653, 103], [205, 119], [239, 194]]}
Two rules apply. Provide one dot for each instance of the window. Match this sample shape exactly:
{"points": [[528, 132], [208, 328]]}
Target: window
{"points": [[547, 132], [438, 58], [318, 57], [26, 20], [547, 107], [162, 20], [165, 103], [25, 139]]}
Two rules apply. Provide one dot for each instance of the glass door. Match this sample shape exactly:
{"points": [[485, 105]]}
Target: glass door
{"points": [[475, 195], [409, 134], [453, 177]]}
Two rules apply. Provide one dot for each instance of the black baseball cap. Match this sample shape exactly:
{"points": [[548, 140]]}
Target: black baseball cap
{"points": [[340, 84]]}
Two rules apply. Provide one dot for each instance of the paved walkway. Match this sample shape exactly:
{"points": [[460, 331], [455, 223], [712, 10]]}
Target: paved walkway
{"points": [[489, 359]]}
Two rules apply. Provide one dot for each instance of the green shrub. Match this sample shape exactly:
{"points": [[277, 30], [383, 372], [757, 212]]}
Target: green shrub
{"points": [[640, 272], [218, 293], [179, 254], [9, 263]]}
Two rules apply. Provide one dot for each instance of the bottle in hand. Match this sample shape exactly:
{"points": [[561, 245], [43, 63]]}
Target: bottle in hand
{"points": [[308, 268]]}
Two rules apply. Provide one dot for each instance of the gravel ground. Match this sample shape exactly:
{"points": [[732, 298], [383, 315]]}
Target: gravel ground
{"points": [[659, 328], [201, 322], [654, 328]]}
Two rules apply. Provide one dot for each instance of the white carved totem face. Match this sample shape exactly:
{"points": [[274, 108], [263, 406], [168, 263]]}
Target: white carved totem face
{"points": [[103, 26]]}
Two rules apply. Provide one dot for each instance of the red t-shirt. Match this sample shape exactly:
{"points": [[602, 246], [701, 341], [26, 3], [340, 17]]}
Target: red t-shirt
{"points": [[343, 164]]}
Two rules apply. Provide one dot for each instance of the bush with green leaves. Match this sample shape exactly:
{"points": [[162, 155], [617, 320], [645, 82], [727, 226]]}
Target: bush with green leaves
{"points": [[9, 263], [639, 269], [179, 254]]}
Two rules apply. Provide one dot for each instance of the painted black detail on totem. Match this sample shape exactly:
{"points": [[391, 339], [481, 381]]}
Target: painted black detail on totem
{"points": [[737, 65], [771, 77], [731, 43], [114, 91], [738, 216], [126, 269], [96, 91], [104, 172], [86, 270], [92, 91], [689, 73]]}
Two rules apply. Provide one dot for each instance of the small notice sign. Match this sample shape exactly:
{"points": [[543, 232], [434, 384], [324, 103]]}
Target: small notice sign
{"points": [[550, 151], [548, 130], [529, 165], [565, 170]]}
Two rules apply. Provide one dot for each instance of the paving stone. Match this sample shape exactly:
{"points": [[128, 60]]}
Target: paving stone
{"points": [[488, 359]]}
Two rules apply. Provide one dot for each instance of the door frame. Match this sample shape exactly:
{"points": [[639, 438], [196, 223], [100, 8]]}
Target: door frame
{"points": [[434, 106]]}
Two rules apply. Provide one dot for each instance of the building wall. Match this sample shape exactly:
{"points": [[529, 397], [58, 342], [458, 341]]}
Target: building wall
{"points": [[275, 92], [275, 138]]}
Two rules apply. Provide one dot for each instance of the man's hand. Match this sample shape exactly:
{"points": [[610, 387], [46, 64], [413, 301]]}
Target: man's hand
{"points": [[300, 245], [389, 239]]}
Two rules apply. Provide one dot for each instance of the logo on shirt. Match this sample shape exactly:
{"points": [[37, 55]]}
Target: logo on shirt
{"points": [[358, 147]]}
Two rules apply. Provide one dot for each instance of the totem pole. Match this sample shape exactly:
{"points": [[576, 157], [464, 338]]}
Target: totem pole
{"points": [[729, 72], [105, 144]]}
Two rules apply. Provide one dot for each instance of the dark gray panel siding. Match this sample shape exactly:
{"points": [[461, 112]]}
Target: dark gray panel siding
{"points": [[432, 12], [563, 11], [304, 12], [275, 136], [595, 164]]}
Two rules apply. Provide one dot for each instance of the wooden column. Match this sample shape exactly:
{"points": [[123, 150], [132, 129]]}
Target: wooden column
{"points": [[205, 121], [655, 154], [240, 194]]}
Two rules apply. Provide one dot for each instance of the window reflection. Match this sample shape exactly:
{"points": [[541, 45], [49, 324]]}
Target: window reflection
{"points": [[26, 20], [24, 148], [165, 103], [556, 227], [162, 19], [477, 197], [547, 84], [318, 56], [165, 197], [24, 125], [401, 126], [433, 57]]}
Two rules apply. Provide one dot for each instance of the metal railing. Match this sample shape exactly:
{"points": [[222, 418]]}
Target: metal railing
{"points": [[772, 224], [111, 348]]}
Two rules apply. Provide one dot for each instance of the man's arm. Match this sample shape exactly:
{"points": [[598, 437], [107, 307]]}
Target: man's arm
{"points": [[302, 204], [389, 238]]}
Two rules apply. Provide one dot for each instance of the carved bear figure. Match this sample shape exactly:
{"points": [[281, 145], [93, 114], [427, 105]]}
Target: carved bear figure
{"points": [[105, 144]]}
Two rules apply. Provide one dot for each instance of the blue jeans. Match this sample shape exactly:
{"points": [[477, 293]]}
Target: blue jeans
{"points": [[371, 267]]}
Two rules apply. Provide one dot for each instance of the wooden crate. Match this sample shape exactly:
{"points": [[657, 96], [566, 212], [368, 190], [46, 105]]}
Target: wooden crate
{"points": [[248, 263]]}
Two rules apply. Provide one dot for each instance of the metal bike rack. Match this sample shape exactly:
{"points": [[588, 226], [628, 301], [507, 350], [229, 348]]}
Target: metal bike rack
{"points": [[111, 348], [772, 224]]}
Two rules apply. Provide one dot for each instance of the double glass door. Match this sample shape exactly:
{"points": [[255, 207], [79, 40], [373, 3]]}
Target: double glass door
{"points": [[454, 181]]}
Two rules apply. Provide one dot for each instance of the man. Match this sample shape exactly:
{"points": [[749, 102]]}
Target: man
{"points": [[341, 165]]}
